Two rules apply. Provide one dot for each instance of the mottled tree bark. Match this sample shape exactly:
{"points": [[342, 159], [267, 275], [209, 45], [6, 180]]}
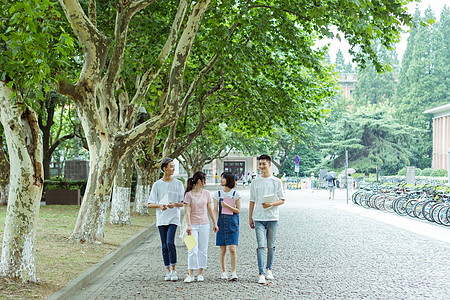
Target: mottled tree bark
{"points": [[26, 178], [120, 204]]}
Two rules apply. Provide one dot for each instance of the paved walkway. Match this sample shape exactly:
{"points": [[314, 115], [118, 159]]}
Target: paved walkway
{"points": [[325, 250]]}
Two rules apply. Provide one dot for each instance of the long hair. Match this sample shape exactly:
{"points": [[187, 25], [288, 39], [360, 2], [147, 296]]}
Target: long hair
{"points": [[191, 182]]}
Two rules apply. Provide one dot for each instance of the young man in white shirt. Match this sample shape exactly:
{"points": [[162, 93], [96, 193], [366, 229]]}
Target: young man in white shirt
{"points": [[167, 197], [266, 194]]}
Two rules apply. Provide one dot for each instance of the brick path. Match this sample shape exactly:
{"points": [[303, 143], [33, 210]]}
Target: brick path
{"points": [[323, 252]]}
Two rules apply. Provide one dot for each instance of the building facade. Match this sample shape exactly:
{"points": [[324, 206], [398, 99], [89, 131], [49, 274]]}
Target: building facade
{"points": [[441, 138], [235, 162]]}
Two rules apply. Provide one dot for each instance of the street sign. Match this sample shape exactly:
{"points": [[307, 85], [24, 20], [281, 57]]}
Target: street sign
{"points": [[297, 168], [297, 160]]}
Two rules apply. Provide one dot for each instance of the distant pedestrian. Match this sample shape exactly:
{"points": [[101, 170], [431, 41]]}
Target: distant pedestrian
{"points": [[216, 179], [198, 205], [167, 197], [312, 182], [266, 194], [331, 187], [228, 222]]}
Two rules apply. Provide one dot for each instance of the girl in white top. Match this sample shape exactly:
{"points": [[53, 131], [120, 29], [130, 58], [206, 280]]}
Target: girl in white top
{"points": [[167, 196]]}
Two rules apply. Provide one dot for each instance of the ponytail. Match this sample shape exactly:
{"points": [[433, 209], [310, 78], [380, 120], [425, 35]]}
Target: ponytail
{"points": [[191, 182]]}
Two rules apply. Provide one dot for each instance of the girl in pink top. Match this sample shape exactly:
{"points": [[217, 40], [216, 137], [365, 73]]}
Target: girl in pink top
{"points": [[198, 204]]}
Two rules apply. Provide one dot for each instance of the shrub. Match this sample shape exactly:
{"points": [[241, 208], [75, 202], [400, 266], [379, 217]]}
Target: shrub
{"points": [[440, 173], [426, 172], [402, 172]]}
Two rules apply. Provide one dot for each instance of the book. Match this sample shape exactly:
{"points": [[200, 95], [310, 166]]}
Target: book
{"points": [[231, 202], [269, 198], [190, 242], [165, 200]]}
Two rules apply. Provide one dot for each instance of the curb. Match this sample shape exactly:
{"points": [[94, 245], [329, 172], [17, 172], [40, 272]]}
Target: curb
{"points": [[95, 271]]}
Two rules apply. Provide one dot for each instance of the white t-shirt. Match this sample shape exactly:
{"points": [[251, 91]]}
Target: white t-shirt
{"points": [[263, 186], [229, 194], [175, 192]]}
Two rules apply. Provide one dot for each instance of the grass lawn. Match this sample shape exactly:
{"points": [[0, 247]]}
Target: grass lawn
{"points": [[58, 259]]}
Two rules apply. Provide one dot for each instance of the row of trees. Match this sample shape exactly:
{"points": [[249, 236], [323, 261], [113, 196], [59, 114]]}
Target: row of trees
{"points": [[383, 123], [147, 78]]}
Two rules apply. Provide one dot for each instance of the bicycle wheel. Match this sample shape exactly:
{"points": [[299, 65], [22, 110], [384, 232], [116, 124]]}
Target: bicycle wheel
{"points": [[426, 209], [417, 209], [409, 207], [400, 205], [444, 215], [434, 212], [378, 202]]}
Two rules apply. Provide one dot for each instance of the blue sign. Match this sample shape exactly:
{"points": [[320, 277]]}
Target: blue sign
{"points": [[297, 160]]}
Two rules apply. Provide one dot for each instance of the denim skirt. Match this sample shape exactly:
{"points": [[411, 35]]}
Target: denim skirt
{"points": [[228, 233]]}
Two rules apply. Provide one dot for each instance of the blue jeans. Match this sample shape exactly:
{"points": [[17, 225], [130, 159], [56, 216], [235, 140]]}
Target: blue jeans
{"points": [[169, 251], [265, 231]]}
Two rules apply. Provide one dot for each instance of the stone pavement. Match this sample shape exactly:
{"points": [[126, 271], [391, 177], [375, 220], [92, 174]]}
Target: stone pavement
{"points": [[325, 250]]}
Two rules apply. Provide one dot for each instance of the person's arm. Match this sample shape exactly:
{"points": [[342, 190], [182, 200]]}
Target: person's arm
{"points": [[152, 199], [250, 215], [216, 207], [212, 215], [276, 203], [187, 214], [280, 195], [236, 209]]}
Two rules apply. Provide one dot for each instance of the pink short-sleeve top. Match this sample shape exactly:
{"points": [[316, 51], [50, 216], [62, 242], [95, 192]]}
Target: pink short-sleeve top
{"points": [[199, 206]]}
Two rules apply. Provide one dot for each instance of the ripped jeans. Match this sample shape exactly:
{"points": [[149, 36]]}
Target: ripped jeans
{"points": [[266, 231]]}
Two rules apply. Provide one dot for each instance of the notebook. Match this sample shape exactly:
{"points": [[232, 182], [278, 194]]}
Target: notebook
{"points": [[231, 202], [269, 198], [165, 200], [190, 242]]}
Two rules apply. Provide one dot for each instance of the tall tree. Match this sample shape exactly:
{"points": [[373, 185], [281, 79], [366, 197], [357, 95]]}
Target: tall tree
{"points": [[373, 138], [421, 83], [25, 40], [372, 87], [341, 65]]}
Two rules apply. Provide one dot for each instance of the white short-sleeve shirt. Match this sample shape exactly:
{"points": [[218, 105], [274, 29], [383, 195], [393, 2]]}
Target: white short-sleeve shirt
{"points": [[175, 191], [263, 186]]}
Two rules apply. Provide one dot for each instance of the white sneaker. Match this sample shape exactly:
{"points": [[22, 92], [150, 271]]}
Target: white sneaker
{"points": [[173, 275], [189, 279], [233, 276], [224, 275], [269, 275], [200, 278], [262, 279], [167, 277]]}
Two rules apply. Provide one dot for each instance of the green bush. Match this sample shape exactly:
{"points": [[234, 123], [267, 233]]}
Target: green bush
{"points": [[425, 172], [402, 172], [440, 173]]}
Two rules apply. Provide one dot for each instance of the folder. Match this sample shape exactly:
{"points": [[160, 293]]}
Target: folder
{"points": [[231, 202], [190, 242]]}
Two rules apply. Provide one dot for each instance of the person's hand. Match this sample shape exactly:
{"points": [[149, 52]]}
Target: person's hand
{"points": [[251, 223], [162, 207], [171, 205], [266, 205], [224, 204], [216, 228], [189, 230]]}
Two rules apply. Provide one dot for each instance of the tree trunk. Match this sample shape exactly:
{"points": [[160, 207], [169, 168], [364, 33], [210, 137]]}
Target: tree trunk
{"points": [[94, 208], [25, 153], [4, 177], [145, 180], [120, 205]]}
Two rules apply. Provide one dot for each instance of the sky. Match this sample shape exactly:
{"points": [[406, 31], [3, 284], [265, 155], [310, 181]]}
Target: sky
{"points": [[436, 6]]}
